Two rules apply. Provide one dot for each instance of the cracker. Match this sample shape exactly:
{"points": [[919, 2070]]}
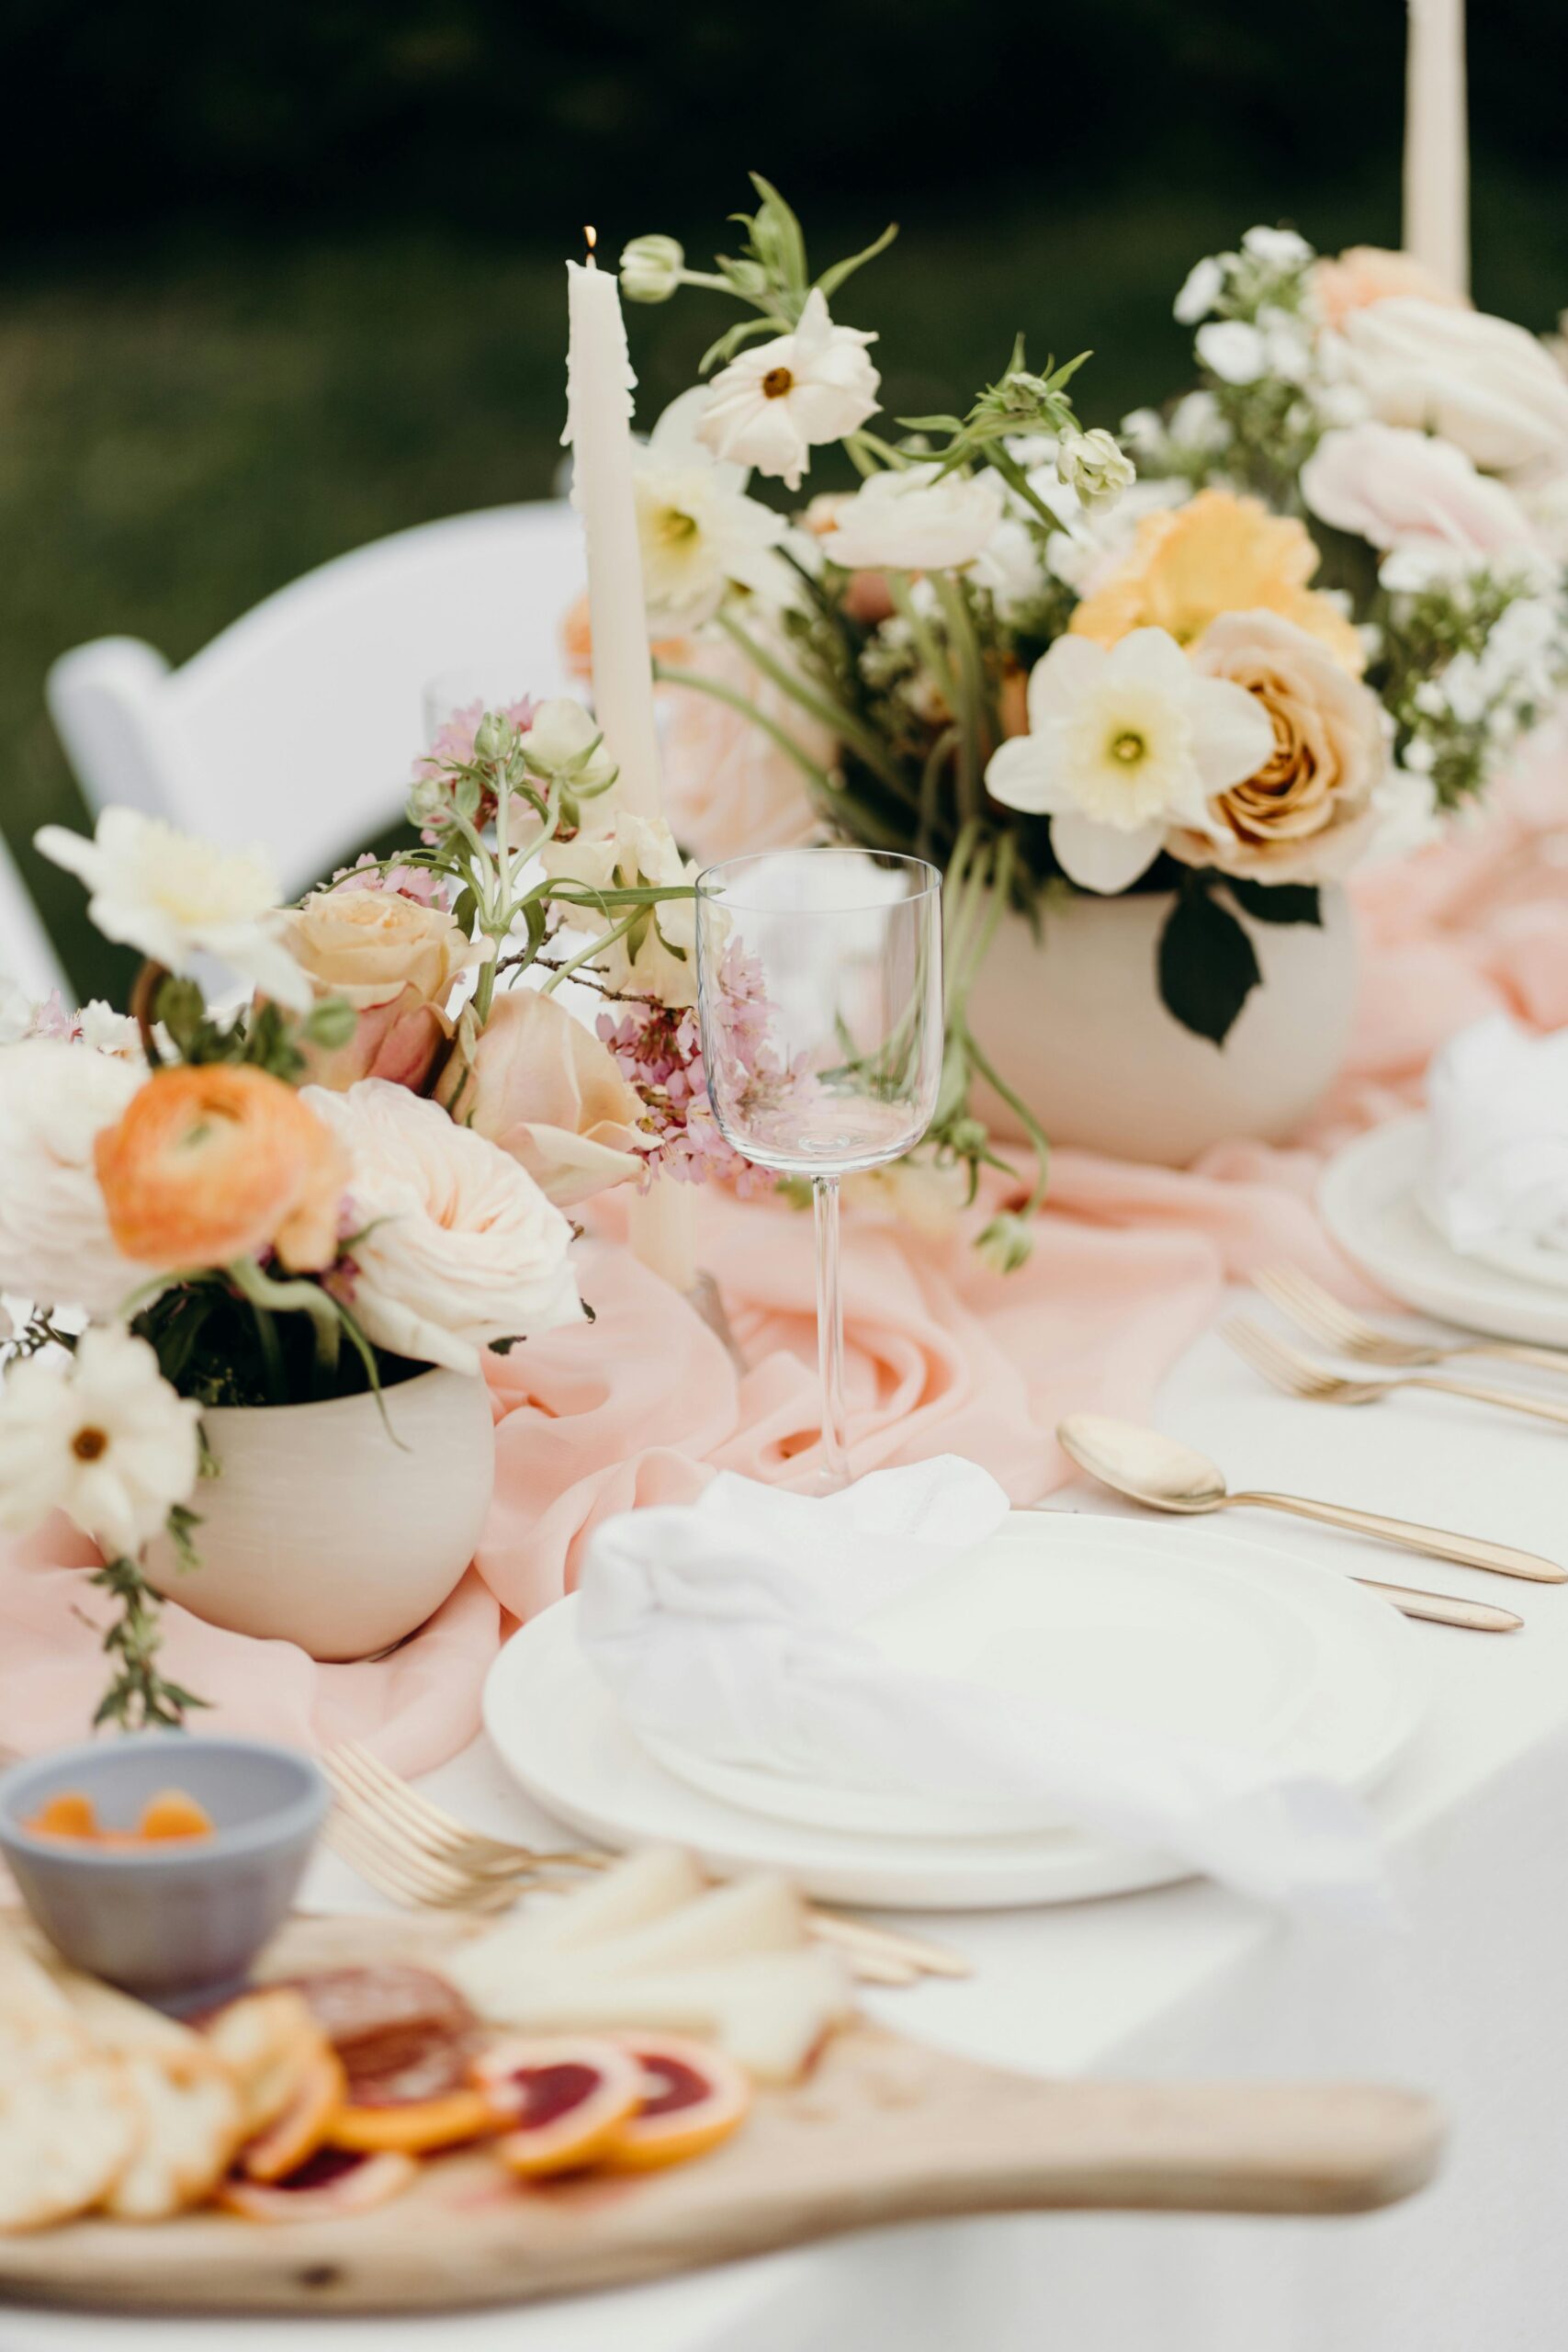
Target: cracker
{"points": [[269, 2042], [67, 2137], [192, 2124]]}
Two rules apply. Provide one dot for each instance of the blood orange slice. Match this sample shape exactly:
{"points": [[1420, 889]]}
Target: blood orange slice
{"points": [[561, 2099], [330, 2181], [693, 2098], [417, 2126], [295, 2135]]}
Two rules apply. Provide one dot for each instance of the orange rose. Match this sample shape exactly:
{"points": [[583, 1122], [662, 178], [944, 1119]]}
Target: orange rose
{"points": [[220, 1162]]}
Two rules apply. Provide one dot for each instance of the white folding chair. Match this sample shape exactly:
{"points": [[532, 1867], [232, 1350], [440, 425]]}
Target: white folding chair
{"points": [[26, 954], [295, 726]]}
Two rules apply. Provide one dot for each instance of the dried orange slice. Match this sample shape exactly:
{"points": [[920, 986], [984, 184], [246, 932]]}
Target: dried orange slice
{"points": [[415, 2125], [295, 2134], [70, 1813], [692, 2099], [173, 1814], [334, 2180], [561, 2099]]}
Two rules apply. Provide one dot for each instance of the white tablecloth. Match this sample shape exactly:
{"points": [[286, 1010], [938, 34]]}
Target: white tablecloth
{"points": [[1470, 2003]]}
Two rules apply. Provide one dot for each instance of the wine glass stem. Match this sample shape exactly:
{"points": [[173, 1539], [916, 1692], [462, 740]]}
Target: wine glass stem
{"points": [[831, 1332]]}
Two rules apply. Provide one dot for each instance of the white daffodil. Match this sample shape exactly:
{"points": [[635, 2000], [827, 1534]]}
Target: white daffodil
{"points": [[916, 518], [772, 403], [175, 898], [1124, 745], [698, 532], [99, 1435]]}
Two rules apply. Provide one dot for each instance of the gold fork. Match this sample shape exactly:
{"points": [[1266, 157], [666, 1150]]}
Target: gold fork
{"points": [[1327, 1319], [425, 1847], [1299, 1376]]}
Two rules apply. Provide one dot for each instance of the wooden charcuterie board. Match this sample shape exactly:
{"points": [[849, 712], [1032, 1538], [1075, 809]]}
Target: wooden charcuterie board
{"points": [[884, 2131]]}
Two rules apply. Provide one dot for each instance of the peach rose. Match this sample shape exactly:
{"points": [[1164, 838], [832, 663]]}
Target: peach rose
{"points": [[727, 787], [1306, 814], [1363, 275], [216, 1162], [395, 960], [544, 1088]]}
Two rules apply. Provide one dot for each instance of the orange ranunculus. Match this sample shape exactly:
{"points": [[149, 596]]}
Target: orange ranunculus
{"points": [[1220, 553], [217, 1162]]}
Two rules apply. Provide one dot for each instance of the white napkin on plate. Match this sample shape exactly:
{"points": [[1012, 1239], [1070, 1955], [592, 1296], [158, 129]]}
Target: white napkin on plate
{"points": [[1495, 1184], [729, 1628]]}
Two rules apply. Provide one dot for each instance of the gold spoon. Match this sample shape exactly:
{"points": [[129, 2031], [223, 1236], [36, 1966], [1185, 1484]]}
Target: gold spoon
{"points": [[1164, 1475]]}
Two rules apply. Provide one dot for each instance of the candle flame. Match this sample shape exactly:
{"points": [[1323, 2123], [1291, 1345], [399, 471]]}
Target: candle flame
{"points": [[592, 236]]}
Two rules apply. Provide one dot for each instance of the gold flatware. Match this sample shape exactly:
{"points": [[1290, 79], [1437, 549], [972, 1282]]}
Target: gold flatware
{"points": [[1155, 1470], [463, 1869], [1288, 1369], [1322, 1317]]}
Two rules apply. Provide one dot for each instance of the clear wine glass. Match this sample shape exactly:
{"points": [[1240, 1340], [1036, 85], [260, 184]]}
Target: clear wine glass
{"points": [[819, 995]]}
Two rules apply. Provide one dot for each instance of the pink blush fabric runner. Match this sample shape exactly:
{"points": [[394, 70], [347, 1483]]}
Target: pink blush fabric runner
{"points": [[645, 1405]]}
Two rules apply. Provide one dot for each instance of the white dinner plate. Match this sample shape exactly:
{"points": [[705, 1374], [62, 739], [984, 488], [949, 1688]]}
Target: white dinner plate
{"points": [[1095, 1613], [557, 1729], [1370, 1198]]}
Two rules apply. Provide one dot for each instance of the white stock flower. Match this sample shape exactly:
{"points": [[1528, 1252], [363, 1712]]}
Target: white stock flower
{"points": [[658, 954], [1124, 745], [55, 1244], [459, 1247], [769, 406], [698, 530], [175, 898], [560, 733], [1396, 488], [1095, 465], [1279, 248], [1200, 290], [1233, 351], [1479, 381], [99, 1435], [916, 518]]}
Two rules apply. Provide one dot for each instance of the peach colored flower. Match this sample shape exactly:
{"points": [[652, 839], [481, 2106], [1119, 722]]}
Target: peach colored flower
{"points": [[727, 787], [1306, 814], [395, 960], [544, 1088], [576, 642], [215, 1162], [1362, 275], [1220, 553]]}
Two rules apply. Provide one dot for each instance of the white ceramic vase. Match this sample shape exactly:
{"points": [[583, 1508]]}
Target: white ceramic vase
{"points": [[1074, 1022], [327, 1528]]}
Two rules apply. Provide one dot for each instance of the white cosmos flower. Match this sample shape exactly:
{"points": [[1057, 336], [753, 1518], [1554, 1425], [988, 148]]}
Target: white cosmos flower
{"points": [[916, 518], [175, 898], [99, 1435], [1124, 745], [698, 532], [459, 1247], [657, 957], [55, 1244], [770, 405]]}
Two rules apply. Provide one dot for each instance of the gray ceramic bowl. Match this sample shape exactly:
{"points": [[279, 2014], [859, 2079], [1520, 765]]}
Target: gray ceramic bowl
{"points": [[177, 1923]]}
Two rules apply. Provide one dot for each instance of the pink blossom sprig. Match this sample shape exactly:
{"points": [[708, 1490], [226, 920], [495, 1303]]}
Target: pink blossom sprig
{"points": [[658, 1051]]}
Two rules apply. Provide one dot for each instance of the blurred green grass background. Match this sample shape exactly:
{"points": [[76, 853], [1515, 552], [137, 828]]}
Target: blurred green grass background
{"points": [[216, 376]]}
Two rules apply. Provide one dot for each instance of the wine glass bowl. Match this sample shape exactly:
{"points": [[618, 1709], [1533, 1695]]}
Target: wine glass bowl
{"points": [[819, 997]]}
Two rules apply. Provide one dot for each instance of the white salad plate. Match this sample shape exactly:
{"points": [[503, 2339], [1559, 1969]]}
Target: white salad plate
{"points": [[1085, 1611], [1369, 1196], [558, 1732]]}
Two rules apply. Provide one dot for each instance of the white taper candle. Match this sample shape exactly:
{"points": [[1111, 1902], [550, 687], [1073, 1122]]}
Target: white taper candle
{"points": [[1436, 161]]}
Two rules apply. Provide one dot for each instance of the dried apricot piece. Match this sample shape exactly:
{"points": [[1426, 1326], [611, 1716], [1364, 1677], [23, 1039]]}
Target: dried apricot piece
{"points": [[173, 1814], [70, 1813]]}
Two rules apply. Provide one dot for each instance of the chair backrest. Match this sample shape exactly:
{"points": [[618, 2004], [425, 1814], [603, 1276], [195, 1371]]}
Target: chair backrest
{"points": [[26, 956], [297, 726]]}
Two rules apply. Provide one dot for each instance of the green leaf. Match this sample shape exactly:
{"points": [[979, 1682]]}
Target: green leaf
{"points": [[1207, 965], [729, 342], [330, 1023], [831, 279], [1277, 902]]}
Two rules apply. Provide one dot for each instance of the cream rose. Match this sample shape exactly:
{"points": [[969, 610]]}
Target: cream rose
{"points": [[55, 1245], [544, 1088], [457, 1245], [1363, 275], [1397, 488], [1481, 381], [395, 960], [1307, 814]]}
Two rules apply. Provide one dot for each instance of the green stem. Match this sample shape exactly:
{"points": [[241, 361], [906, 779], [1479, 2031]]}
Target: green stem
{"points": [[272, 1351], [926, 642], [941, 752], [595, 947], [1032, 1126], [669, 676], [840, 720], [970, 708]]}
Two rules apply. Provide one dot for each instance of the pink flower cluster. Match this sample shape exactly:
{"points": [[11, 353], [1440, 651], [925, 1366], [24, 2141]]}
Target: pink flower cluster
{"points": [[453, 747], [416, 882], [658, 1052]]}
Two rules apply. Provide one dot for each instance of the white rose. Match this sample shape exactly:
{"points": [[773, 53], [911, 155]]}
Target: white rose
{"points": [[1233, 351], [1478, 381], [1397, 488], [916, 519], [458, 1245], [55, 1244]]}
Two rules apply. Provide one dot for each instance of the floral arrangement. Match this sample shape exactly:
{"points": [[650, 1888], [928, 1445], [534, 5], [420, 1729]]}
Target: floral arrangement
{"points": [[358, 1169], [1225, 655]]}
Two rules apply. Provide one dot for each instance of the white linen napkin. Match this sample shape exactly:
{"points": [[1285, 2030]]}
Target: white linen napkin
{"points": [[729, 1627], [1495, 1184]]}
